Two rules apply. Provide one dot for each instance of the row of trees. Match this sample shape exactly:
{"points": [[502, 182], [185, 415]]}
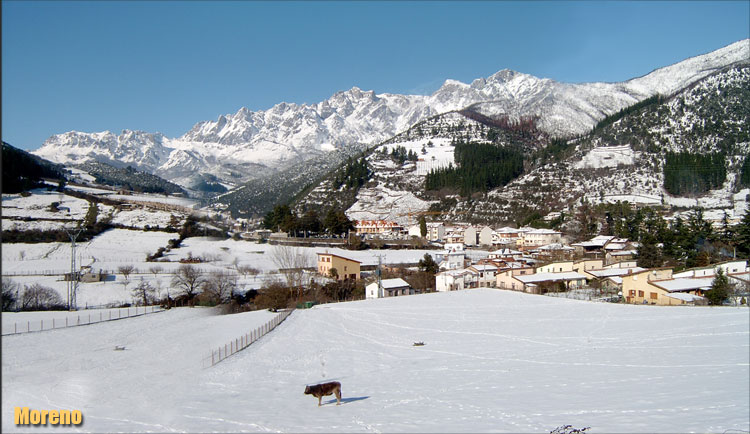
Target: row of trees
{"points": [[283, 218], [354, 175], [479, 167], [690, 242], [687, 173], [608, 120], [745, 173]]}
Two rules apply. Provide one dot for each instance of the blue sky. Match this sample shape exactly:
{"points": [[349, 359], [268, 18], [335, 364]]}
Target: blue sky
{"points": [[164, 66]]}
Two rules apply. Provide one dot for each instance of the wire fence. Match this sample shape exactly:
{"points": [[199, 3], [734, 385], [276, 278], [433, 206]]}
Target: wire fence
{"points": [[75, 320], [244, 341]]}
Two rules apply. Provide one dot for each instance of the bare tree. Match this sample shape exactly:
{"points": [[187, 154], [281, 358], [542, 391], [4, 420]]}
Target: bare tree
{"points": [[292, 262], [155, 269], [10, 294], [126, 270], [220, 285], [38, 297], [247, 270], [144, 292], [188, 279]]}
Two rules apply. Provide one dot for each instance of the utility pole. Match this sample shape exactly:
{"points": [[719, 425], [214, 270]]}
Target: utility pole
{"points": [[73, 281], [378, 273]]}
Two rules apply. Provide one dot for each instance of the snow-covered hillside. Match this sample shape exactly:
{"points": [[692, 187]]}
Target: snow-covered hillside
{"points": [[244, 145], [621, 161], [492, 360]]}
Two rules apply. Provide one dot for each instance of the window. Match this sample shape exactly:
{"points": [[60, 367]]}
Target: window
{"points": [[632, 292], [654, 296], [640, 293]]}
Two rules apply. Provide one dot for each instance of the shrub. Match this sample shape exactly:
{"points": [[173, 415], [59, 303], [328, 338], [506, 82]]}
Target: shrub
{"points": [[273, 296], [38, 297]]}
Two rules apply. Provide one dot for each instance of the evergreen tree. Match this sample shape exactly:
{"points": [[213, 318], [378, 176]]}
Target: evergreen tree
{"points": [[743, 236], [275, 217], [422, 226], [479, 168], [310, 222], [427, 264], [686, 173], [336, 222], [719, 289], [745, 173], [648, 253]]}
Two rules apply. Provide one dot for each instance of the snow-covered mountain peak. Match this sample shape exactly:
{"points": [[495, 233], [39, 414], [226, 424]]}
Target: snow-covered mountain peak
{"points": [[240, 145], [505, 75], [453, 84]]}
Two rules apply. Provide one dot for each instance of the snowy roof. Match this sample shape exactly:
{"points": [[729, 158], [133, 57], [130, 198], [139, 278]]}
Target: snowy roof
{"points": [[542, 231], [609, 272], [506, 252], [547, 277], [338, 256], [684, 297], [394, 283], [455, 273], [623, 253], [555, 246], [684, 284], [517, 265], [615, 279], [615, 246], [598, 241], [484, 267], [508, 230]]}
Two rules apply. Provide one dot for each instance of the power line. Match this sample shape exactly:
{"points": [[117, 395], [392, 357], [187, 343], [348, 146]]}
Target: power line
{"points": [[73, 281]]}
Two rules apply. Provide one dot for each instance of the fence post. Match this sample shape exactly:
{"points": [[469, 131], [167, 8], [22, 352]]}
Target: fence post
{"points": [[100, 316], [42, 325], [15, 327], [66, 321], [28, 326], [89, 318], [212, 357]]}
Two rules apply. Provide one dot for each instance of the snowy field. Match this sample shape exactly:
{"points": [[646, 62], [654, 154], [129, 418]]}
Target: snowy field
{"points": [[34, 212], [493, 360], [45, 263], [23, 322]]}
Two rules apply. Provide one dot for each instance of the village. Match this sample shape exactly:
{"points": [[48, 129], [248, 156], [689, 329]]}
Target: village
{"points": [[538, 261]]}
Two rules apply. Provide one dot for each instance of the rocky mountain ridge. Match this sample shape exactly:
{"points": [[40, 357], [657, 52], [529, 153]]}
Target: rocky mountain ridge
{"points": [[249, 145], [622, 160]]}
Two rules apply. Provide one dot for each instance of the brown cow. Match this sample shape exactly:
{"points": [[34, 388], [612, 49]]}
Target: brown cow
{"points": [[325, 389]]}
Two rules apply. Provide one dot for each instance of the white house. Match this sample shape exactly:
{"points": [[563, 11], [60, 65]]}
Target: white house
{"points": [[452, 258], [541, 237], [485, 236], [391, 288], [435, 231], [505, 254], [471, 237], [452, 280], [729, 267], [484, 275], [507, 236]]}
